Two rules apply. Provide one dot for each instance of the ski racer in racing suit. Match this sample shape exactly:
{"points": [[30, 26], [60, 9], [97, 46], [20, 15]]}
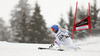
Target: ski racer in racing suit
{"points": [[62, 37]]}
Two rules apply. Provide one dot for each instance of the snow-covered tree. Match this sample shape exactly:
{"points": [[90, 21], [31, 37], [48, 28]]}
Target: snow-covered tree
{"points": [[71, 22], [20, 18], [37, 30], [3, 31], [94, 14], [62, 23]]}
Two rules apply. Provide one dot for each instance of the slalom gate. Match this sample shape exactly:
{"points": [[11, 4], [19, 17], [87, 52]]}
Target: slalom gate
{"points": [[83, 24]]}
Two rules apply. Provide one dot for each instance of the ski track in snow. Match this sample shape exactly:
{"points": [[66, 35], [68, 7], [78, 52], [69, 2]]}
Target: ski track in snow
{"points": [[89, 47]]}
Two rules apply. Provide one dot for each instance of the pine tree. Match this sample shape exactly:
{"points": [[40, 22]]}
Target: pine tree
{"points": [[71, 22], [20, 17], [94, 12], [95, 19], [3, 31], [37, 30], [62, 23]]}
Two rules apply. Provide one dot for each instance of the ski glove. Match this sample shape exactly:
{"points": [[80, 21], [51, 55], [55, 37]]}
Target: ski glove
{"points": [[51, 45], [64, 37]]}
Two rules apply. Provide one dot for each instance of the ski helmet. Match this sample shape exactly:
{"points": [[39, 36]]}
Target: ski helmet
{"points": [[55, 27]]}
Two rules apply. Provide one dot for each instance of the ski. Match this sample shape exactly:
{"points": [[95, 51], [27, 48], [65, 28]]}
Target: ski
{"points": [[42, 48]]}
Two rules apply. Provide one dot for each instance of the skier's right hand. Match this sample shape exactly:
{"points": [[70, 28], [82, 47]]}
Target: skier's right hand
{"points": [[51, 45]]}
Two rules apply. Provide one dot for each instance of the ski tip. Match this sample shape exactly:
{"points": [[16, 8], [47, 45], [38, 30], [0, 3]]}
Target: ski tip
{"points": [[40, 48], [60, 50]]}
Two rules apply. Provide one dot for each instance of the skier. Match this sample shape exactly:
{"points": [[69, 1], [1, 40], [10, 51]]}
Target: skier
{"points": [[62, 37]]}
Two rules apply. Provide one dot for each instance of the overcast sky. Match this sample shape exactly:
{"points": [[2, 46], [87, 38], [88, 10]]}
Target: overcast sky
{"points": [[50, 9]]}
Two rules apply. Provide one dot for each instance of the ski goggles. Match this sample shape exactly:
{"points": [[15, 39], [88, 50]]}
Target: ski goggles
{"points": [[53, 29]]}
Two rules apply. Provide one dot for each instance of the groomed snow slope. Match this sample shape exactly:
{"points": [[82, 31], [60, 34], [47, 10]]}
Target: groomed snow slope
{"points": [[89, 47]]}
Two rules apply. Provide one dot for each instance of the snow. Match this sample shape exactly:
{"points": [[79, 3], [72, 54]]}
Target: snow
{"points": [[89, 47]]}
